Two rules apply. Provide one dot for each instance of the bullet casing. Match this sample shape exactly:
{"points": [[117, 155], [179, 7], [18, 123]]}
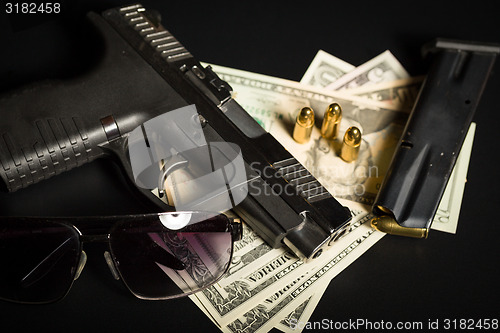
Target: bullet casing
{"points": [[304, 125], [351, 144], [331, 121], [389, 225]]}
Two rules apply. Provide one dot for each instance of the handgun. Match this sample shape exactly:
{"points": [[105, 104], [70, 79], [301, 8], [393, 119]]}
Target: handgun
{"points": [[144, 72]]}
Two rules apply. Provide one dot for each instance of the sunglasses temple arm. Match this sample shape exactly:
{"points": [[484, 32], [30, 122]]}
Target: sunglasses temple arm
{"points": [[236, 229], [44, 267]]}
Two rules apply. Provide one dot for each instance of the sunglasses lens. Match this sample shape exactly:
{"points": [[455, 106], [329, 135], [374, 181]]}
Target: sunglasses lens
{"points": [[172, 254], [38, 260]]}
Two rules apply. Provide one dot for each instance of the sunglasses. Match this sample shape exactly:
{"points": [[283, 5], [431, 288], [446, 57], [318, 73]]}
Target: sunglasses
{"points": [[157, 256]]}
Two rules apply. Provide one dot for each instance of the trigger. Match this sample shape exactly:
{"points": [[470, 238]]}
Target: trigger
{"points": [[175, 163]]}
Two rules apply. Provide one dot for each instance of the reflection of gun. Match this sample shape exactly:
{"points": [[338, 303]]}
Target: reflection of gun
{"points": [[144, 72]]}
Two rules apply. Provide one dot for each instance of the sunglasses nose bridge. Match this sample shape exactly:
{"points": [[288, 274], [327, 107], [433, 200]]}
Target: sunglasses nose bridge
{"points": [[81, 264], [111, 265]]}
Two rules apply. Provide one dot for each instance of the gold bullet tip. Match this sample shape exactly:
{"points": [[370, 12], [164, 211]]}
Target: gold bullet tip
{"points": [[353, 136], [306, 116], [331, 121], [303, 125], [335, 110]]}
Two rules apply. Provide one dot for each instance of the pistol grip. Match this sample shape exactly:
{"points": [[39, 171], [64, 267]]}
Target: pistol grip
{"points": [[55, 126], [36, 148]]}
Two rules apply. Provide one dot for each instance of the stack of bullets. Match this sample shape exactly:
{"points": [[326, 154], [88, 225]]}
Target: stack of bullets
{"points": [[351, 142]]}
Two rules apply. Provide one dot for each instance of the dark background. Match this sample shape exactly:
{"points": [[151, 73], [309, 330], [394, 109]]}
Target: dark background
{"points": [[399, 279]]}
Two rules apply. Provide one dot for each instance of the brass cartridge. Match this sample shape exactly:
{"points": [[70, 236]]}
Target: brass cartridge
{"points": [[331, 121], [304, 125], [388, 225], [350, 146]]}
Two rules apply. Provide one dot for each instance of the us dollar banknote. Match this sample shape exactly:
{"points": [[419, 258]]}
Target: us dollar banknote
{"points": [[277, 280], [275, 103], [446, 218], [272, 310], [266, 274], [401, 93], [303, 312], [255, 308], [383, 68], [325, 69]]}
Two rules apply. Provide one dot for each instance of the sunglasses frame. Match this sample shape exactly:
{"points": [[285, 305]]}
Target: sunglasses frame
{"points": [[92, 229]]}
